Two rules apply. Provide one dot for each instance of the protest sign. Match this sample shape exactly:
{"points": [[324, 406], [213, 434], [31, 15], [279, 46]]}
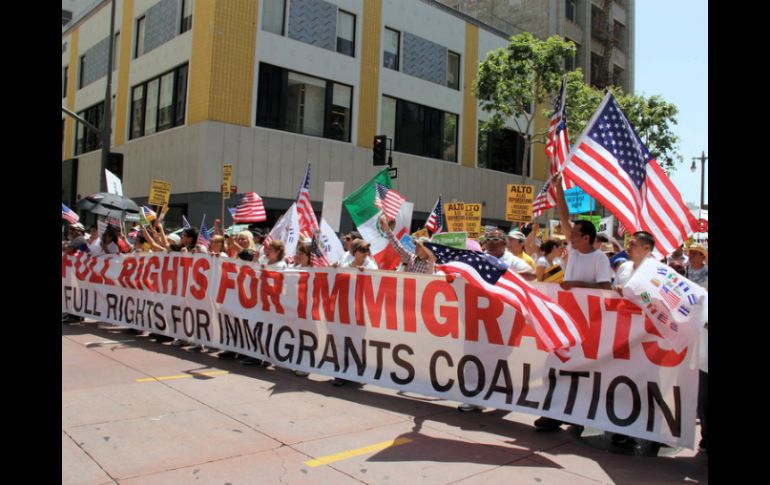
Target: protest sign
{"points": [[518, 202], [463, 217], [451, 239], [596, 220], [406, 241], [578, 201], [606, 227], [405, 331], [226, 179], [331, 210], [160, 192], [114, 186]]}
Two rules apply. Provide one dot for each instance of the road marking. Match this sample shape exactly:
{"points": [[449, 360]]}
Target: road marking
{"points": [[325, 460], [183, 376]]}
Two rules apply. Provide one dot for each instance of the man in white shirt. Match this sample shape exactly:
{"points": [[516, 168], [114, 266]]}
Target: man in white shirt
{"points": [[586, 267], [640, 247]]}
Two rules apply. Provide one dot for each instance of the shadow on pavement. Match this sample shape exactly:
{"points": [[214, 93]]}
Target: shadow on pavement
{"points": [[619, 462]]}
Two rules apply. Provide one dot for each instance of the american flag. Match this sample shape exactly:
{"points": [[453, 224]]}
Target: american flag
{"points": [[670, 297], [611, 164], [557, 148], [68, 215], [308, 224], [317, 258], [435, 221], [552, 324], [251, 209], [204, 236], [388, 200]]}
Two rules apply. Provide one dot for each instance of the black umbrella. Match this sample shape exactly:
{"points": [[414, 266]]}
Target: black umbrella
{"points": [[110, 205]]}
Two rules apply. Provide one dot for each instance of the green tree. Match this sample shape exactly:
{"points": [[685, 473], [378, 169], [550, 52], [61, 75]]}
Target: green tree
{"points": [[528, 72], [652, 117], [514, 79]]}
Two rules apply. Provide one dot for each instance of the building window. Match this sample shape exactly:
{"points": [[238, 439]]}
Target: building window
{"points": [[502, 151], [274, 16], [137, 111], [115, 50], [187, 11], [617, 76], [346, 33], [139, 50], [420, 130], [391, 44], [65, 75], [453, 71], [298, 103], [571, 12], [159, 104], [87, 139], [81, 71]]}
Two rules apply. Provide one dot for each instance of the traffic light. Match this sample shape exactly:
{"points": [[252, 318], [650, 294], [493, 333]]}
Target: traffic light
{"points": [[379, 148]]}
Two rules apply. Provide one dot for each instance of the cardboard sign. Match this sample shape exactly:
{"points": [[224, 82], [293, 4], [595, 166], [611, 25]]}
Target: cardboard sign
{"points": [[421, 233], [463, 217], [114, 186], [160, 192], [228, 172], [452, 239], [406, 241], [578, 201], [518, 202], [606, 227]]}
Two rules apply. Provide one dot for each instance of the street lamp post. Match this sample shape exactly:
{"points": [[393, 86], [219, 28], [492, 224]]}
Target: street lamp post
{"points": [[106, 131], [693, 168]]}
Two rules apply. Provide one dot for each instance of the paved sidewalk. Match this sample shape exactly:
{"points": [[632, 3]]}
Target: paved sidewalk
{"points": [[135, 411]]}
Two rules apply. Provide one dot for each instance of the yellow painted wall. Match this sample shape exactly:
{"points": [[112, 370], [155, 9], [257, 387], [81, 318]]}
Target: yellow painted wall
{"points": [[370, 72], [470, 72], [72, 73], [124, 67], [222, 63]]}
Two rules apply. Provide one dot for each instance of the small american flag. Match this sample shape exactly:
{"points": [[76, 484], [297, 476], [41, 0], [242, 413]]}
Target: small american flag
{"points": [[557, 149], [552, 324], [308, 224], [670, 297], [388, 200], [251, 209], [68, 215], [612, 165], [317, 258], [149, 214], [204, 236], [436, 219]]}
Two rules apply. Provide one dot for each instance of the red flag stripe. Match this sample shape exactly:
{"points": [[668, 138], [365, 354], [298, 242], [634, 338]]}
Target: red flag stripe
{"points": [[587, 178]]}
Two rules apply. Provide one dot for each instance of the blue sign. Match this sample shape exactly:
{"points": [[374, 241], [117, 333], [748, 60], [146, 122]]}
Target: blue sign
{"points": [[578, 201], [406, 241]]}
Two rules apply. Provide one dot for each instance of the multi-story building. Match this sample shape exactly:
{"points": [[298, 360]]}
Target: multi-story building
{"points": [[269, 85]]}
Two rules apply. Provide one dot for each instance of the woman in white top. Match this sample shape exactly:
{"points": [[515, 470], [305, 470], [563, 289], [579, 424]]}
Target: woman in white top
{"points": [[361, 259], [274, 256]]}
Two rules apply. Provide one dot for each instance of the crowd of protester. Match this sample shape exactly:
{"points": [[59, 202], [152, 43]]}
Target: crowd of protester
{"points": [[580, 258]]}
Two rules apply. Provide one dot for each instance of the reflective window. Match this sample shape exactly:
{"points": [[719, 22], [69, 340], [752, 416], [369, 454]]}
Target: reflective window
{"points": [[391, 42], [346, 33], [273, 16]]}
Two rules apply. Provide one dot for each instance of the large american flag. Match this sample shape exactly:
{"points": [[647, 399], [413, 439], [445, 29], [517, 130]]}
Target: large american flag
{"points": [[557, 148], [251, 209], [388, 200], [308, 224], [435, 221], [68, 214], [552, 324], [611, 164]]}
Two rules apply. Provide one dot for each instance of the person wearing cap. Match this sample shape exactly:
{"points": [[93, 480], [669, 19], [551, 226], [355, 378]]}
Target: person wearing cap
{"points": [[76, 239], [496, 247], [698, 270], [515, 245], [679, 256], [419, 261]]}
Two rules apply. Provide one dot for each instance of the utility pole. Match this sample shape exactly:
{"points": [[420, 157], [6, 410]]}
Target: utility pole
{"points": [[106, 131], [702, 159]]}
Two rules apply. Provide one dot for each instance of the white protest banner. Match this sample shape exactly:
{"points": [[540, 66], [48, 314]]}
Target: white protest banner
{"points": [[675, 305], [411, 332], [114, 186], [606, 226], [330, 243], [331, 210]]}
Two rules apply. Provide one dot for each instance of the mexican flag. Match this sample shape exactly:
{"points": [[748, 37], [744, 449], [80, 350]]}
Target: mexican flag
{"points": [[366, 217]]}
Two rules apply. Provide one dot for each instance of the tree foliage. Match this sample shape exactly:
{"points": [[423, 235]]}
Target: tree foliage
{"points": [[528, 72]]}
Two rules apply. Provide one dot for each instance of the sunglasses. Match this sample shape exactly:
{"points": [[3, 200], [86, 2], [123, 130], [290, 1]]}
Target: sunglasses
{"points": [[363, 250]]}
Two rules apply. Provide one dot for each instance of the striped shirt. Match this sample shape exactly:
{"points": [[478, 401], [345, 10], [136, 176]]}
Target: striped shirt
{"points": [[412, 262]]}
